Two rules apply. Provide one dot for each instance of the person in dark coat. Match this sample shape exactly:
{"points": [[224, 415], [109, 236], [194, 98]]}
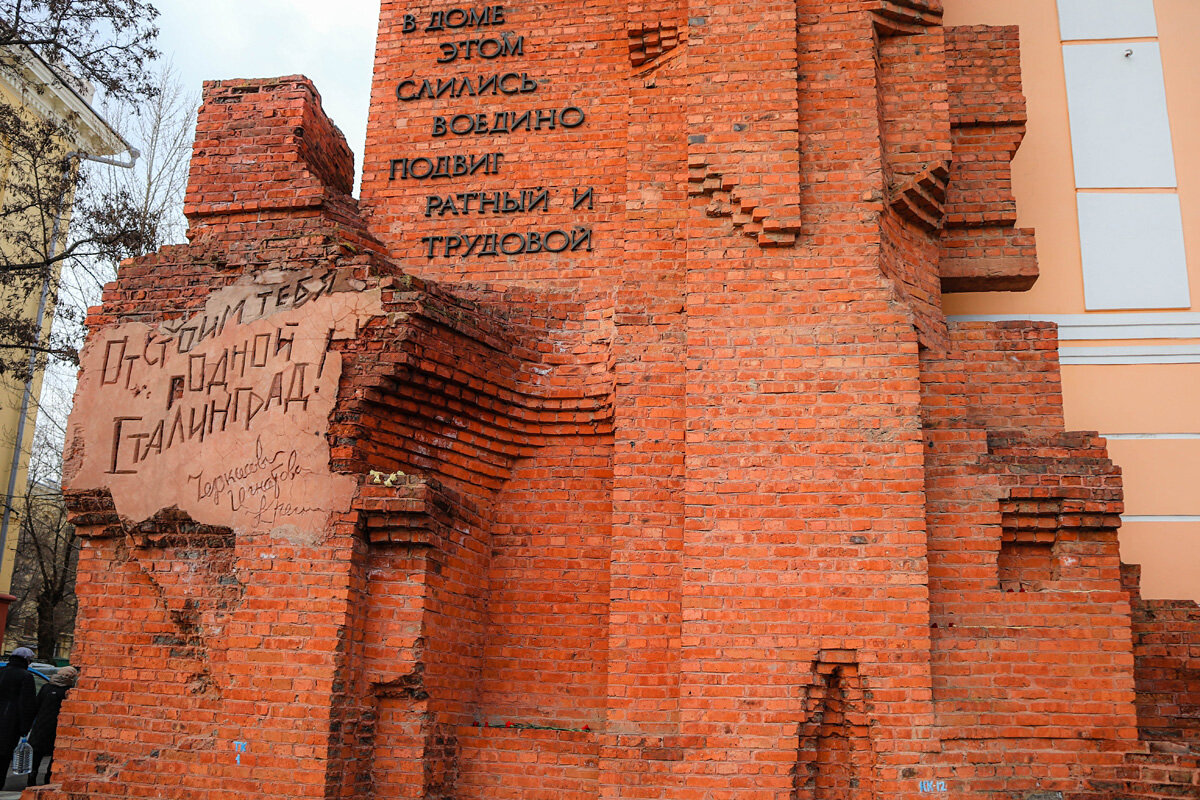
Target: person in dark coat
{"points": [[45, 723], [18, 701]]}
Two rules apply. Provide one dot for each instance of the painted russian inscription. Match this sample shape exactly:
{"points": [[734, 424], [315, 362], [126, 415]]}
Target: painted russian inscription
{"points": [[222, 414]]}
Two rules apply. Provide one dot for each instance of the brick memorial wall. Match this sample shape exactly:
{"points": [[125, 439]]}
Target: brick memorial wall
{"points": [[614, 445]]}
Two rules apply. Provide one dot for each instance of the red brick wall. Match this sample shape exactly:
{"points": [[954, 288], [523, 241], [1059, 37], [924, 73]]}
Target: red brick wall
{"points": [[514, 764], [716, 504], [981, 248], [1031, 651], [1166, 665], [546, 643]]}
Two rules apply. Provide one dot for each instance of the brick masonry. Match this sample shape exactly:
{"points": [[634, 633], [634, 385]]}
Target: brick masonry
{"points": [[662, 475]]}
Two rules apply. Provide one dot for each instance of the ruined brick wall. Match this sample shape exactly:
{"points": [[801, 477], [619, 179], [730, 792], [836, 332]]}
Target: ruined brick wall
{"points": [[1166, 665], [198, 637], [614, 446]]}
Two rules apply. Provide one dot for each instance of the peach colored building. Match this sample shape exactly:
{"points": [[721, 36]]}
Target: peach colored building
{"points": [[1109, 176]]}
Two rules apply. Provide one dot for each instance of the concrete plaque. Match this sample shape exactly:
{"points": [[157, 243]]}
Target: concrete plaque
{"points": [[224, 414]]}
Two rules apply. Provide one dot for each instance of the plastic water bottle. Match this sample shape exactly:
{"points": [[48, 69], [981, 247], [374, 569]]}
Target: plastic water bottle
{"points": [[22, 763]]}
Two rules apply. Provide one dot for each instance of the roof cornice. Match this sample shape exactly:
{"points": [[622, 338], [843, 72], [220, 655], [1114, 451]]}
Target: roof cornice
{"points": [[58, 100]]}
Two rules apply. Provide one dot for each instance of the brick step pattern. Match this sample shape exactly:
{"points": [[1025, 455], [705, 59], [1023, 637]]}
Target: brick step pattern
{"points": [[908, 16], [731, 200], [649, 40], [922, 198]]}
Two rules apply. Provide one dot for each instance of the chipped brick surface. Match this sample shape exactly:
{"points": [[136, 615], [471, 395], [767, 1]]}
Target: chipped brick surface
{"points": [[709, 502]]}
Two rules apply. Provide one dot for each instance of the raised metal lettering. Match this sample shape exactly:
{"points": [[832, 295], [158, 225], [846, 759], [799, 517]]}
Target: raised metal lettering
{"points": [[432, 241], [520, 248], [400, 90], [428, 169], [442, 170], [580, 237], [516, 48], [471, 243], [513, 242], [447, 166], [504, 78], [497, 48], [582, 197], [521, 120], [577, 117]]}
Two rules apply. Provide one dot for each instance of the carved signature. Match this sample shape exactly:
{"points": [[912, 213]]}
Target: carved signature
{"points": [[261, 477], [269, 512]]}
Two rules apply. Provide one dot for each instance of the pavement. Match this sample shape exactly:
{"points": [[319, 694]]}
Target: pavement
{"points": [[13, 785]]}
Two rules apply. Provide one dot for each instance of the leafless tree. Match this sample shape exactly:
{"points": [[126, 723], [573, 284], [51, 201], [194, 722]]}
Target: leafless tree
{"points": [[104, 44], [44, 570], [47, 555], [162, 131], [108, 43]]}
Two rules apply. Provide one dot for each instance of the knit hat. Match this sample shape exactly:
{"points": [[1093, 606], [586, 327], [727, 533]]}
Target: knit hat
{"points": [[65, 677], [25, 653]]}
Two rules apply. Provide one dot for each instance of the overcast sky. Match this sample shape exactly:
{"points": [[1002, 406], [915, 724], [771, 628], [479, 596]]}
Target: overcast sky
{"points": [[330, 41]]}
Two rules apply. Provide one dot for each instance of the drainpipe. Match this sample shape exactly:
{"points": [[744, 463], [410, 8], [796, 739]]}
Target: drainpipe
{"points": [[27, 395]]}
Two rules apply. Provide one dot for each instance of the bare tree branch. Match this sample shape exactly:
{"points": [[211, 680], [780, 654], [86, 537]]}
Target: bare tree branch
{"points": [[108, 43], [103, 44]]}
